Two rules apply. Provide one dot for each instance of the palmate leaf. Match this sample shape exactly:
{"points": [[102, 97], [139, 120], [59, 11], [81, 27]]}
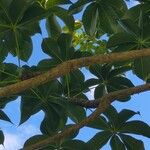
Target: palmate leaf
{"points": [[52, 24], [60, 50], [113, 126], [76, 113], [63, 14], [116, 143], [91, 13], [99, 140], [53, 27], [55, 119], [108, 80], [131, 143], [47, 64], [134, 13], [48, 98], [125, 115], [136, 127], [112, 116], [99, 123], [130, 27], [103, 15], [119, 39], [39, 98], [73, 84], [16, 27], [134, 36]]}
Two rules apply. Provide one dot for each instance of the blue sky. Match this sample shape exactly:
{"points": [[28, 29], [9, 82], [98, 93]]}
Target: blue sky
{"points": [[16, 135]]}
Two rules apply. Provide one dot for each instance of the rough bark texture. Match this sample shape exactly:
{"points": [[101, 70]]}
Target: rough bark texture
{"points": [[85, 103], [69, 66]]}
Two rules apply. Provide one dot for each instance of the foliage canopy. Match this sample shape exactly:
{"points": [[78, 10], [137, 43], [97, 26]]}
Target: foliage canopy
{"points": [[64, 97]]}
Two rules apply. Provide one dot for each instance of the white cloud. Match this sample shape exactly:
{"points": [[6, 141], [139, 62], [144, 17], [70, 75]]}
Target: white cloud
{"points": [[15, 141], [12, 142]]}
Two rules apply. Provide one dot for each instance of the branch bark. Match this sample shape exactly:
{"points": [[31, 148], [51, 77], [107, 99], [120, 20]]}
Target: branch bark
{"points": [[85, 103], [106, 100], [69, 66]]}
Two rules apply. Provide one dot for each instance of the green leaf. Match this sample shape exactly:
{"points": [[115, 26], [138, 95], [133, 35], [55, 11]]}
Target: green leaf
{"points": [[105, 71], [125, 115], [119, 39], [17, 27], [74, 145], [4, 117], [99, 123], [141, 67], [129, 27], [119, 71], [99, 91], [76, 113], [53, 27], [8, 74], [118, 83], [99, 140], [55, 119], [74, 85], [136, 127], [78, 6], [1, 137], [110, 79], [50, 47], [96, 70], [135, 13], [132, 143], [20, 7], [64, 16], [30, 105], [46, 64], [109, 13], [91, 14], [65, 43], [112, 115], [60, 50], [52, 3], [40, 98], [116, 143], [91, 82]]}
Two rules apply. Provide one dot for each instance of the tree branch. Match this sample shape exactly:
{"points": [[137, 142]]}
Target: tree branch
{"points": [[105, 102], [85, 103], [69, 66]]}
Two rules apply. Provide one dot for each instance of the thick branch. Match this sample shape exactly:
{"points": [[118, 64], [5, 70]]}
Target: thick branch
{"points": [[85, 103], [69, 66], [103, 105]]}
